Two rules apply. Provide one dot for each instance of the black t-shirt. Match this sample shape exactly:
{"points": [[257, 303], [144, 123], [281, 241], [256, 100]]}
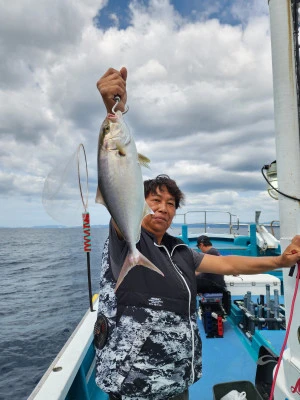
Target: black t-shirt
{"points": [[210, 283], [213, 252]]}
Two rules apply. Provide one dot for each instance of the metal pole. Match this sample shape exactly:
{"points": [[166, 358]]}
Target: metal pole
{"points": [[286, 126], [89, 280], [288, 164]]}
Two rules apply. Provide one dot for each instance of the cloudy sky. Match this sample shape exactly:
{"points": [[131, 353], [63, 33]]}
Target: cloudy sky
{"points": [[199, 91]]}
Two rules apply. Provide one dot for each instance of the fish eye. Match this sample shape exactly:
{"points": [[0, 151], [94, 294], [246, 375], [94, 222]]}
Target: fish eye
{"points": [[106, 129]]}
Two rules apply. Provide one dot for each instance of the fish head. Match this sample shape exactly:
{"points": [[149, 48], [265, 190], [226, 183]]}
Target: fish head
{"points": [[114, 133]]}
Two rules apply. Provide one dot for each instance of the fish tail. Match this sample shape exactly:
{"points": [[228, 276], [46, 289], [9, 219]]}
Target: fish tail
{"points": [[133, 260]]}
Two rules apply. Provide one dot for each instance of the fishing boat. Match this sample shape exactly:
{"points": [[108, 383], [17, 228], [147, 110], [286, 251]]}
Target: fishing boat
{"points": [[72, 373], [255, 345]]}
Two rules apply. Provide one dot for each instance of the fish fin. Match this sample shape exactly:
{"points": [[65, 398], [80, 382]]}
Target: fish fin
{"points": [[121, 149], [147, 210], [131, 261], [143, 160], [99, 198]]}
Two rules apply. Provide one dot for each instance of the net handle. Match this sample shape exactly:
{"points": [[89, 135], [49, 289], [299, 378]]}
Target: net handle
{"points": [[85, 203]]}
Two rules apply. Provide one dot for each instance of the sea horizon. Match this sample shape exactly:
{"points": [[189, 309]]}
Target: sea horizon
{"points": [[177, 224]]}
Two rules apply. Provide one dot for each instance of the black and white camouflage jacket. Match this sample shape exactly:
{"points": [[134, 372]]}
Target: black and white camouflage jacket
{"points": [[153, 350]]}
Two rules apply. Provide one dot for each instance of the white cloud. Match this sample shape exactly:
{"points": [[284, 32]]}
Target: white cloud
{"points": [[199, 92]]}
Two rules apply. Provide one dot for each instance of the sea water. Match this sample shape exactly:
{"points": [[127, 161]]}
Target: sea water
{"points": [[43, 296]]}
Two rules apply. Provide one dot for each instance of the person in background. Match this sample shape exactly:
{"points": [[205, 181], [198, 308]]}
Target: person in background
{"points": [[148, 346], [206, 282], [205, 245]]}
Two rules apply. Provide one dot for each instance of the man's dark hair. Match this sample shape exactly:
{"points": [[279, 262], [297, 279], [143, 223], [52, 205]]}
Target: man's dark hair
{"points": [[204, 240], [160, 181]]}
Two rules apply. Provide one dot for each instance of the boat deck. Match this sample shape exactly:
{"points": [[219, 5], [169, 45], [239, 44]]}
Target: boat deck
{"points": [[221, 363]]}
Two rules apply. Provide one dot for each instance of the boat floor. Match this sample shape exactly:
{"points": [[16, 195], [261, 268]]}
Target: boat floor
{"points": [[225, 359]]}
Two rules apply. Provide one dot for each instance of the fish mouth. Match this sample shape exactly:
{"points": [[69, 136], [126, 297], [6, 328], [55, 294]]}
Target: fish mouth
{"points": [[111, 117]]}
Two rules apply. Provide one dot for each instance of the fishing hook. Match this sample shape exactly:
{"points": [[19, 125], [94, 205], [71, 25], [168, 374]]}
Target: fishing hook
{"points": [[117, 99]]}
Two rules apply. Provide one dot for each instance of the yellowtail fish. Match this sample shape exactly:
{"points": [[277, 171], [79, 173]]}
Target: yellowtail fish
{"points": [[121, 188]]}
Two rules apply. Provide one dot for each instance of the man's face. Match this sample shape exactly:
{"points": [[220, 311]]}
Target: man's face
{"points": [[162, 203]]}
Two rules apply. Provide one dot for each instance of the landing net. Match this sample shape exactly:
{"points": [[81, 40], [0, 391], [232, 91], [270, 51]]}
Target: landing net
{"points": [[65, 193]]}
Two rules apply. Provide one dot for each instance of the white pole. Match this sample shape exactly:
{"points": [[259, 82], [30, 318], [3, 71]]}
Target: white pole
{"points": [[288, 165]]}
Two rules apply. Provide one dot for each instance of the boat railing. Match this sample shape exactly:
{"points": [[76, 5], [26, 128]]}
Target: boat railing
{"points": [[272, 226], [233, 219]]}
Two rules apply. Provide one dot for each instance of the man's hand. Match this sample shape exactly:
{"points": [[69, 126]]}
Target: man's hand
{"points": [[111, 84], [291, 255]]}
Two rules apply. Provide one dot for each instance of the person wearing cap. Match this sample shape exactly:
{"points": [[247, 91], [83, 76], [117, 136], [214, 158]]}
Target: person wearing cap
{"points": [[207, 282], [204, 244]]}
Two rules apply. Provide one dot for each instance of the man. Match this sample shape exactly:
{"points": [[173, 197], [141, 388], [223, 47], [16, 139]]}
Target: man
{"points": [[205, 245], [206, 282], [151, 349]]}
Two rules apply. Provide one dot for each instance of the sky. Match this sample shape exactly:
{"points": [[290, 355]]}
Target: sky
{"points": [[200, 100]]}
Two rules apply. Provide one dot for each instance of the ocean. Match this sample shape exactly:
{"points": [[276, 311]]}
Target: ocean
{"points": [[44, 295]]}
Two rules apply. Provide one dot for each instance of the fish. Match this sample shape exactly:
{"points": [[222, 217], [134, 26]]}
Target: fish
{"points": [[121, 189]]}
